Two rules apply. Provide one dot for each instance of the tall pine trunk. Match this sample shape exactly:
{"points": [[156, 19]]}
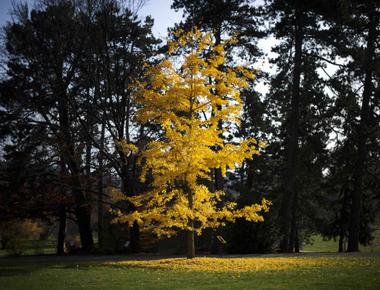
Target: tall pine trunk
{"points": [[62, 218], [341, 242], [128, 190], [290, 177], [61, 231], [100, 190], [83, 216], [293, 240], [217, 172], [362, 136], [82, 209], [344, 200]]}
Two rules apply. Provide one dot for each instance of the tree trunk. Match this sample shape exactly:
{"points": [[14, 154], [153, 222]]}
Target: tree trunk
{"points": [[362, 135], [82, 210], [214, 243], [61, 231], [292, 143], [128, 189], [217, 172], [135, 237], [83, 215], [190, 244], [218, 177], [190, 241], [100, 189], [296, 242], [293, 240], [341, 242], [100, 214], [218, 185], [345, 196]]}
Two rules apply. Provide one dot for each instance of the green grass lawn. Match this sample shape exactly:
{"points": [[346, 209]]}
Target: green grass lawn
{"points": [[34, 247], [305, 271], [318, 244], [308, 271]]}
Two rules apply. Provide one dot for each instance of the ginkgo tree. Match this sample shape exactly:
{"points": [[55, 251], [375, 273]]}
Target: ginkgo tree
{"points": [[189, 94]]}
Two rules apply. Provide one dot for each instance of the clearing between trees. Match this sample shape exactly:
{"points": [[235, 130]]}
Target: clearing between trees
{"points": [[282, 271]]}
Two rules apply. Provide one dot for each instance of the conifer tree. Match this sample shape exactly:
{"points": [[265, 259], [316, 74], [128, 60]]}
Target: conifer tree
{"points": [[299, 110], [356, 86]]}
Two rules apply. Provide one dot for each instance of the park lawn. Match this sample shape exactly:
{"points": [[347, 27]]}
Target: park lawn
{"points": [[318, 244], [34, 247], [307, 271]]}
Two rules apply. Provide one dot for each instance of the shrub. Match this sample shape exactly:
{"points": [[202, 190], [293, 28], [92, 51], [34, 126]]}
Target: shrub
{"points": [[14, 234]]}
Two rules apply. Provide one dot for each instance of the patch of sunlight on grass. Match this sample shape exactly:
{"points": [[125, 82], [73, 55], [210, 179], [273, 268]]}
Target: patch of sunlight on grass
{"points": [[308, 271], [318, 244], [208, 264]]}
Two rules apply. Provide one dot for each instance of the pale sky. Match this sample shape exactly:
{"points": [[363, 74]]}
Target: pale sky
{"points": [[158, 9], [164, 17]]}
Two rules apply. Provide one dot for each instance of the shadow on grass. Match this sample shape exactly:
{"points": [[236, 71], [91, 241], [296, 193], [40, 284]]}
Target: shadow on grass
{"points": [[13, 271], [27, 269]]}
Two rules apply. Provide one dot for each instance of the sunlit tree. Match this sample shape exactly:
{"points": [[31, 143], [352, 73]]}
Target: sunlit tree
{"points": [[188, 94]]}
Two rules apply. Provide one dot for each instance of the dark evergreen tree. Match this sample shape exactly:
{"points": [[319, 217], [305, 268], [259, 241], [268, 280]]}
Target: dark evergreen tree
{"points": [[355, 84], [71, 69], [124, 45], [239, 20], [299, 111], [43, 57]]}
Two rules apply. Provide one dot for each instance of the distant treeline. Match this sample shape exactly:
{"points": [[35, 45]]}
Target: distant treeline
{"points": [[69, 74]]}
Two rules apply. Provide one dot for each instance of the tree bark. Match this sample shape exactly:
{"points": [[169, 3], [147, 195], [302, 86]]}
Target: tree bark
{"points": [[83, 216], [293, 240], [100, 189], [362, 136], [82, 210], [128, 189], [61, 231], [217, 172], [292, 146], [341, 243], [345, 196], [135, 237], [296, 242], [190, 244], [190, 240], [218, 177]]}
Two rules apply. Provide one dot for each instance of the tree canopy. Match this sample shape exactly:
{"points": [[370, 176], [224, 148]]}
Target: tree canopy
{"points": [[187, 98]]}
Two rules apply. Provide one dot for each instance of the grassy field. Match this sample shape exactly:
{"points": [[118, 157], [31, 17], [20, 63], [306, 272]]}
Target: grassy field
{"points": [[305, 271], [34, 247], [318, 244]]}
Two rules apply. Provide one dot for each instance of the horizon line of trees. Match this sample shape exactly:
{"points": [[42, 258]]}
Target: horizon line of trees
{"points": [[67, 106]]}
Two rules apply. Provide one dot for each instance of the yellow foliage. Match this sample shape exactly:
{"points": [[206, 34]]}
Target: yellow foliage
{"points": [[189, 98], [248, 264], [116, 195], [127, 147]]}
